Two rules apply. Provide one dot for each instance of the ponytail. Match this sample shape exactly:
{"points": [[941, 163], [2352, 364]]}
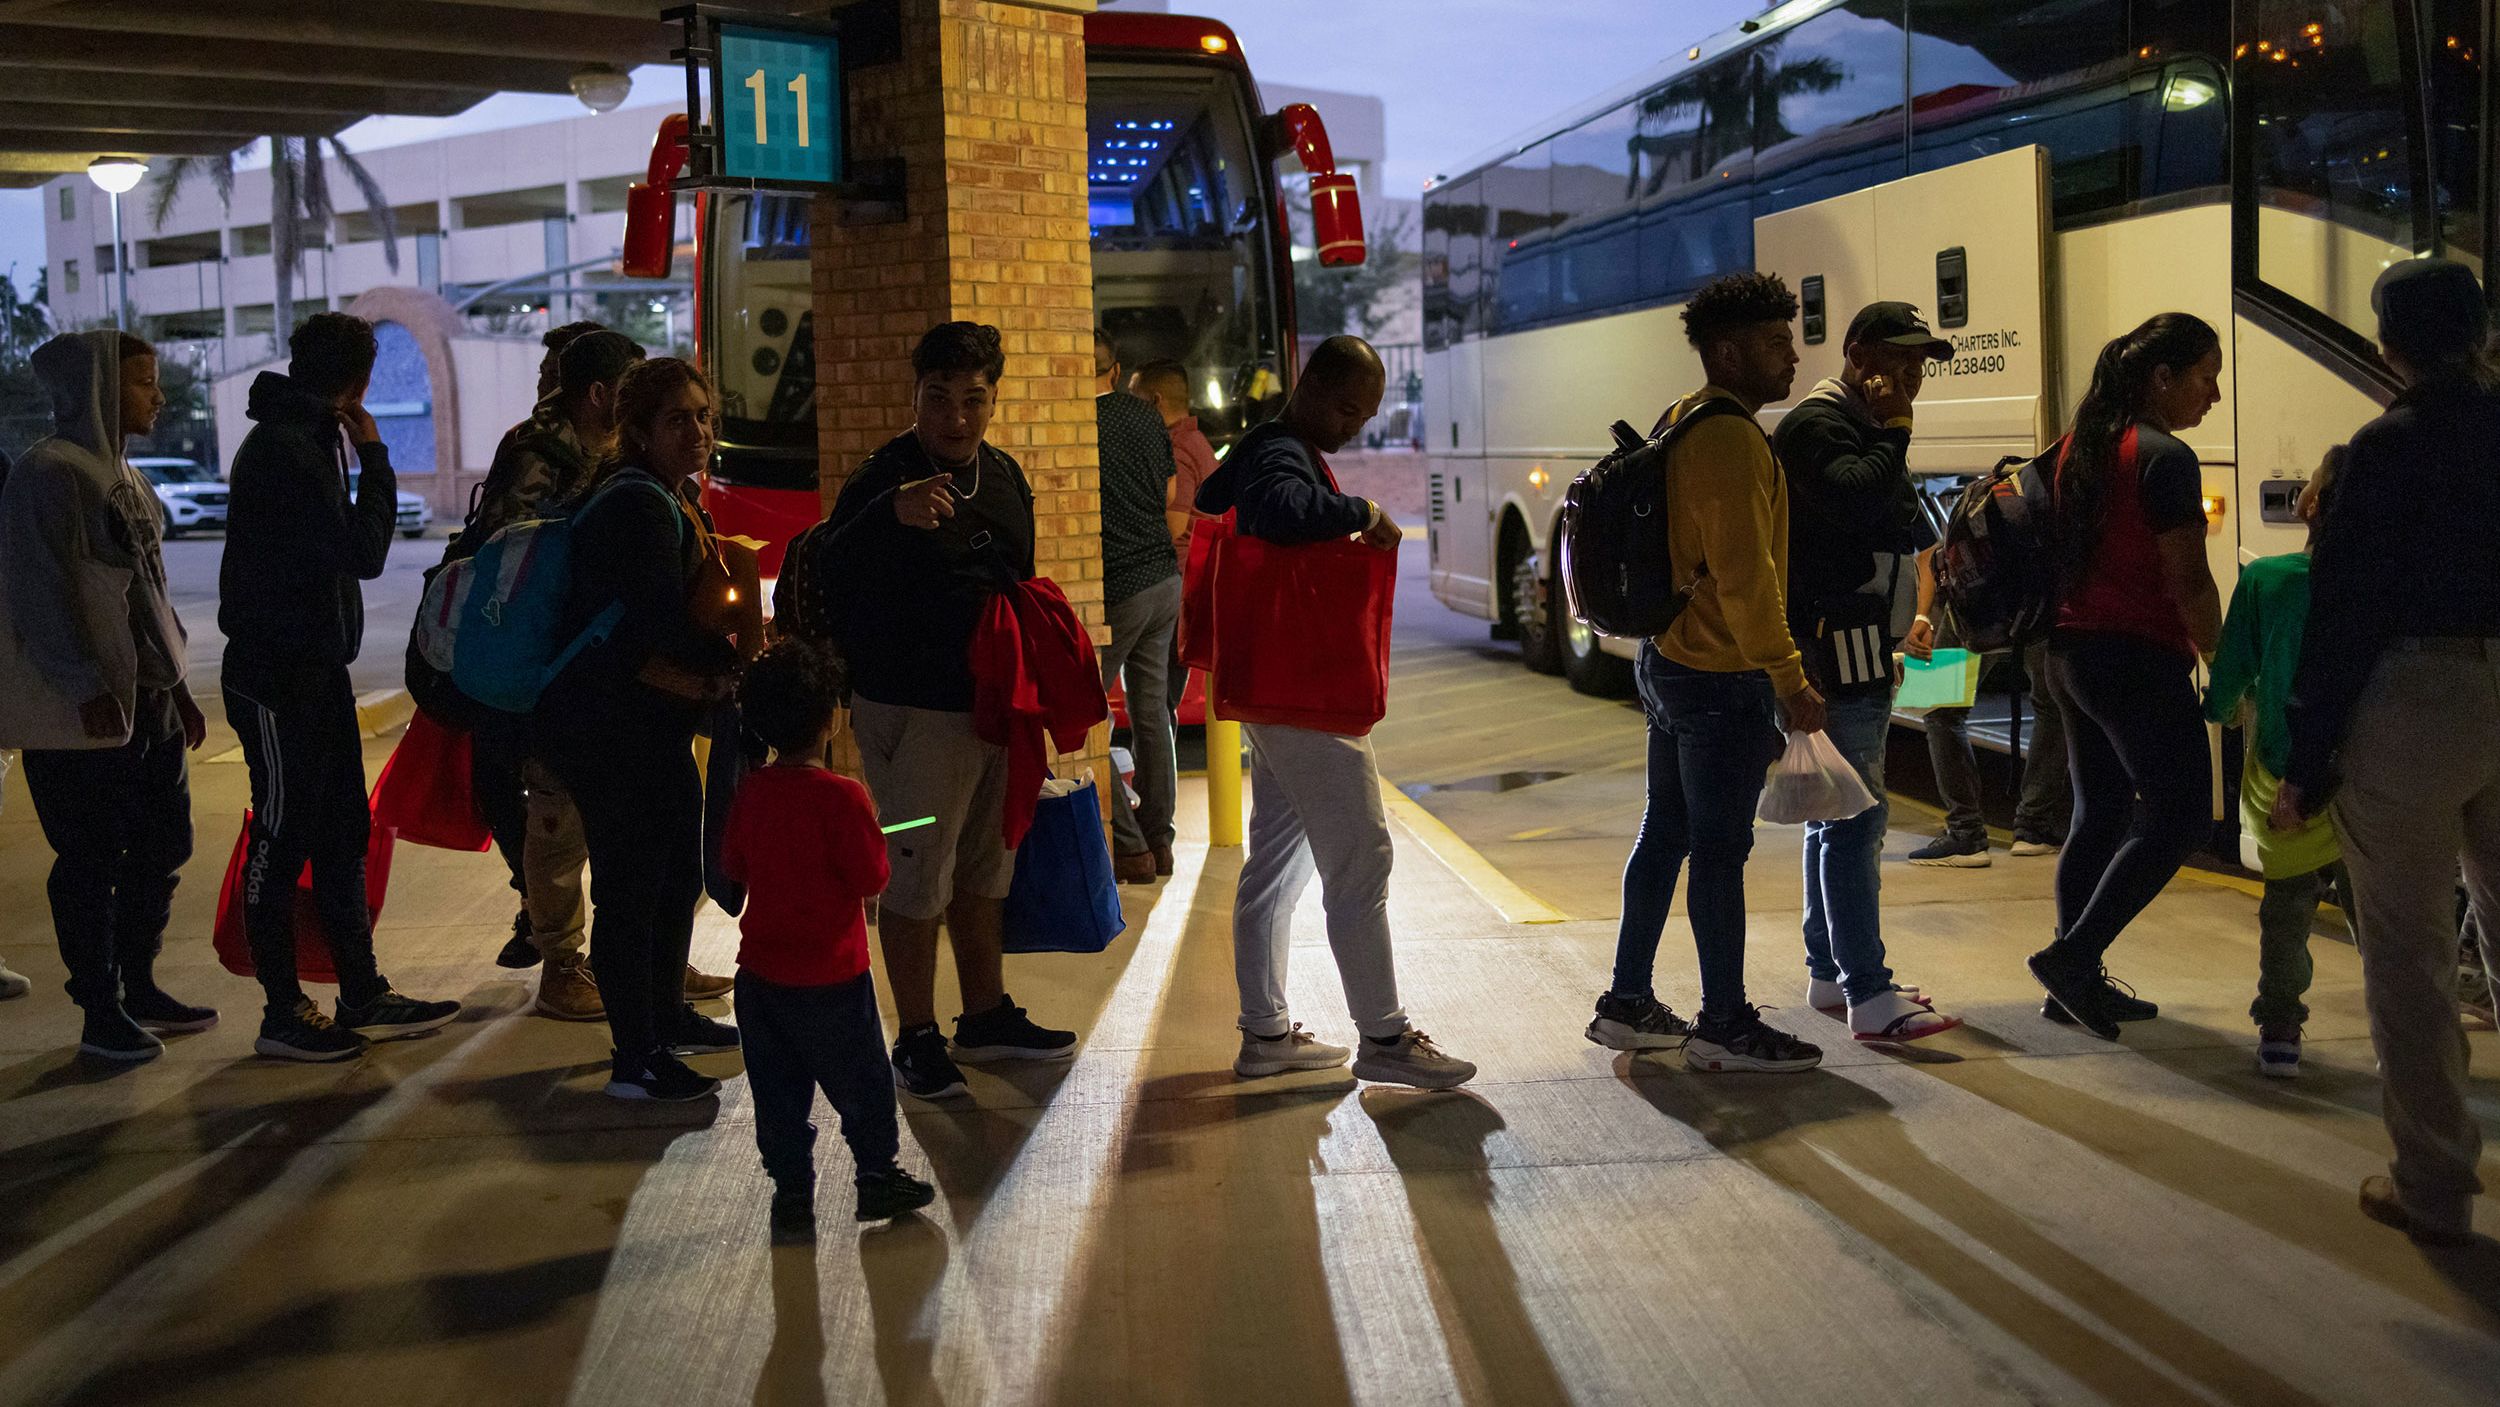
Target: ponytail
{"points": [[2122, 382]]}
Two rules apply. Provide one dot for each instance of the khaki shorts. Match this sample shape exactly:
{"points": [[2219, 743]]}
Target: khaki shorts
{"points": [[922, 762]]}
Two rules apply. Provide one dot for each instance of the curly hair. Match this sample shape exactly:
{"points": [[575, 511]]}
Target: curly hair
{"points": [[1736, 300], [953, 347], [789, 695], [330, 352], [640, 393]]}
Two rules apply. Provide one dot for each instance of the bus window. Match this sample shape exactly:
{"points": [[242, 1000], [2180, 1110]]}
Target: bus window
{"points": [[1692, 159], [1465, 221], [1520, 196], [2455, 63], [1827, 105], [1987, 77], [2323, 90], [1596, 262], [1181, 219], [1438, 323], [762, 341]]}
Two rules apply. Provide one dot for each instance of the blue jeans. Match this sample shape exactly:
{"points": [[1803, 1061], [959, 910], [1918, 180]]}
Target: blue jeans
{"points": [[1711, 738], [1844, 928]]}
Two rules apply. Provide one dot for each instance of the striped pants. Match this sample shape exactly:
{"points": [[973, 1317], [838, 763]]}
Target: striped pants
{"points": [[298, 727]]}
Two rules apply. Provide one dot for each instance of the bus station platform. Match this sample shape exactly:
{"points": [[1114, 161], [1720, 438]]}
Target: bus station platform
{"points": [[2011, 1212]]}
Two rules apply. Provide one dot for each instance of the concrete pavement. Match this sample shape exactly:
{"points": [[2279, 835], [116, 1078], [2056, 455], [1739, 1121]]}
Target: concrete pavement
{"points": [[2013, 1212]]}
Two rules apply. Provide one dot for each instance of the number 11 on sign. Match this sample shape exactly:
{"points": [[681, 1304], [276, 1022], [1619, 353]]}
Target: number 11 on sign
{"points": [[763, 129]]}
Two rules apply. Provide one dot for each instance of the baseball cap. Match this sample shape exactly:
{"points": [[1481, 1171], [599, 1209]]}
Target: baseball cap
{"points": [[2429, 307], [1895, 325]]}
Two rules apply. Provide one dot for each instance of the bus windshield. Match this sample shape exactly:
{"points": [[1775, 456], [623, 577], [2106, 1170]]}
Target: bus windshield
{"points": [[1182, 218], [1182, 222]]}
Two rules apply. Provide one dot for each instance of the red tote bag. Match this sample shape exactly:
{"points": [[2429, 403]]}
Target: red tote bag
{"points": [[1303, 633], [1197, 624], [423, 792], [312, 950]]}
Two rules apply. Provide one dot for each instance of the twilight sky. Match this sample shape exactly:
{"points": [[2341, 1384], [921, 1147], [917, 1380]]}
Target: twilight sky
{"points": [[1456, 75]]}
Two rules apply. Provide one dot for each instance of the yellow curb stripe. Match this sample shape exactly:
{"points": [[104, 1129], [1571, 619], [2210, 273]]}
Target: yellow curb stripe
{"points": [[1514, 904]]}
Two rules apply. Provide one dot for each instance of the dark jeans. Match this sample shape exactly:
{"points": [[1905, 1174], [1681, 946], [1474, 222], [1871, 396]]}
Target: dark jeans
{"points": [[1711, 737], [798, 1040], [2135, 742], [642, 816], [2284, 967], [497, 748], [307, 760], [119, 823], [2047, 800]]}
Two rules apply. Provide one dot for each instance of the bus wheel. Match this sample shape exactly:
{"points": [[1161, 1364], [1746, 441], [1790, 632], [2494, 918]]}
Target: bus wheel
{"points": [[1536, 604], [1587, 665]]}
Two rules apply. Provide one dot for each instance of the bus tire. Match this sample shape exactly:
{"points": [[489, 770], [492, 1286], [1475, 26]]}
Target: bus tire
{"points": [[1535, 606], [1587, 665]]}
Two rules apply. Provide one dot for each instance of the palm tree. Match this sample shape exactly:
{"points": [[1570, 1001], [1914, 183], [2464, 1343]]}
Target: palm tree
{"points": [[1739, 105], [299, 201]]}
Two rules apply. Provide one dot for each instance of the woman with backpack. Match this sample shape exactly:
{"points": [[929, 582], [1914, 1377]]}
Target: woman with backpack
{"points": [[618, 725], [2137, 608]]}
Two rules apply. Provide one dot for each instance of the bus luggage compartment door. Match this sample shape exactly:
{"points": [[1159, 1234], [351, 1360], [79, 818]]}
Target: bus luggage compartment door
{"points": [[1968, 245]]}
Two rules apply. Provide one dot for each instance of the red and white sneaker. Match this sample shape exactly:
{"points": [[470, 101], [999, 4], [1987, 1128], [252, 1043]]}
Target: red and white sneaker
{"points": [[1827, 996]]}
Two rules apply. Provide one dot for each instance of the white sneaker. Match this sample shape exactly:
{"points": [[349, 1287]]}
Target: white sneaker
{"points": [[14, 984], [1828, 996], [2029, 848], [1897, 1016], [1297, 1049], [1412, 1059]]}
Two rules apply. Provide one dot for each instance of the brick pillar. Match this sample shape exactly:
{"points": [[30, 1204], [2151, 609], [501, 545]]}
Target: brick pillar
{"points": [[987, 110]]}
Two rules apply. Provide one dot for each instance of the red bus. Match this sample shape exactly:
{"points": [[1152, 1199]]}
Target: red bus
{"points": [[1192, 260]]}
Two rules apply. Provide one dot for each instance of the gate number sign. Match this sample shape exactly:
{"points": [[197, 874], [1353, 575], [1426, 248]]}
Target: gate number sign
{"points": [[779, 114]]}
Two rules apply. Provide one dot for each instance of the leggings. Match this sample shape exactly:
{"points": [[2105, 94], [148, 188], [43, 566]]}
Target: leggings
{"points": [[2135, 743]]}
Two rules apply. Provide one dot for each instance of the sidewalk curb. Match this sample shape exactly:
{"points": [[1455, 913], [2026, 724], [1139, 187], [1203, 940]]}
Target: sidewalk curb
{"points": [[384, 711], [1514, 904]]}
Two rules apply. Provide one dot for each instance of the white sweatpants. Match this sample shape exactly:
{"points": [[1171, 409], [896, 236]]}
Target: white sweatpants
{"points": [[1315, 808]]}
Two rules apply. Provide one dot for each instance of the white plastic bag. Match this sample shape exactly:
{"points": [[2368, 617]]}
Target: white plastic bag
{"points": [[1812, 782]]}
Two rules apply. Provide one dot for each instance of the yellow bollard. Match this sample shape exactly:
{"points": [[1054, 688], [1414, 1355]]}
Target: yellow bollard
{"points": [[1223, 782]]}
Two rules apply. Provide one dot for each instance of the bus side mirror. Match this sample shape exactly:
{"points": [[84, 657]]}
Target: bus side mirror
{"points": [[1336, 207], [1337, 220], [651, 205]]}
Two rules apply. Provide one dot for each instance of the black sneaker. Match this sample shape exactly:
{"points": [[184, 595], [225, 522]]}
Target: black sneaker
{"points": [[393, 1017], [1003, 1033], [921, 1066], [658, 1076], [697, 1034], [1953, 852], [1637, 1023], [883, 1196], [518, 950], [793, 1213], [1741, 1040], [110, 1034], [155, 1011], [2074, 990], [2117, 998], [306, 1034]]}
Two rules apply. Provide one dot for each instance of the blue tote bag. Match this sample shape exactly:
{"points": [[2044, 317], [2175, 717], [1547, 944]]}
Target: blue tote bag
{"points": [[1063, 899]]}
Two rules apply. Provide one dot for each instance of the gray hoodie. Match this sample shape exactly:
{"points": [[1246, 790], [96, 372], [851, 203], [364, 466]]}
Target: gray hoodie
{"points": [[82, 572]]}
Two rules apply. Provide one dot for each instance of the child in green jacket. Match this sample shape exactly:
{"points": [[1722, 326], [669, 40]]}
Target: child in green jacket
{"points": [[2251, 683]]}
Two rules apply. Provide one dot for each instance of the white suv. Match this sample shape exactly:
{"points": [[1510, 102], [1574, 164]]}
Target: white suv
{"points": [[193, 497], [414, 514]]}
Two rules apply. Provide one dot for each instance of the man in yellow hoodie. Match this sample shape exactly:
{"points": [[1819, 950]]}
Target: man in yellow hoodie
{"points": [[1718, 687]]}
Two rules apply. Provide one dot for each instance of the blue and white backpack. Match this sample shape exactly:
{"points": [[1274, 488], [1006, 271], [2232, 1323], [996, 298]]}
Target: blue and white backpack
{"points": [[491, 622]]}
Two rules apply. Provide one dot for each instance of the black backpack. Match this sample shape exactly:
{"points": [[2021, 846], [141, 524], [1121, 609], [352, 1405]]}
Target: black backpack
{"points": [[1997, 567], [1617, 574]]}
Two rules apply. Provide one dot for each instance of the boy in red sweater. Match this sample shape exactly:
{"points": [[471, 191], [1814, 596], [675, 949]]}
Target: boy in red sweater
{"points": [[805, 843]]}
